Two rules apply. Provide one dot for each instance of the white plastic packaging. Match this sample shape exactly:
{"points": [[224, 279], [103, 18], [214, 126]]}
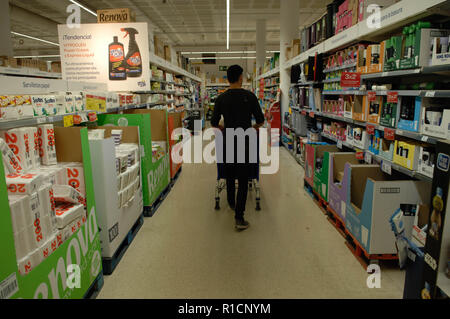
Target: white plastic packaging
{"points": [[66, 213], [11, 162], [23, 184], [47, 150], [68, 194]]}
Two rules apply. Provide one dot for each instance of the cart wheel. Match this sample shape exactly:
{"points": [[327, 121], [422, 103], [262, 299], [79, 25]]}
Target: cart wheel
{"points": [[258, 206], [217, 205]]}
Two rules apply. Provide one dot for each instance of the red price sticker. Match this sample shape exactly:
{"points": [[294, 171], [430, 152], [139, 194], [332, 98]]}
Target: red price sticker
{"points": [[303, 112], [76, 119], [311, 114], [370, 129], [372, 96], [392, 97], [359, 155], [389, 134], [92, 117], [350, 79]]}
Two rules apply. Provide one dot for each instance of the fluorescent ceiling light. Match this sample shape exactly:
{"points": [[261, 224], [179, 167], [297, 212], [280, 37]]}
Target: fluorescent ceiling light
{"points": [[225, 52], [33, 38], [36, 56], [83, 7], [228, 24], [227, 58]]}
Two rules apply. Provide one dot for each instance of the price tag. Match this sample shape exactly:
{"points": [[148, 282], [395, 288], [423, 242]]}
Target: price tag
{"points": [[372, 96], [424, 138], [68, 120], [41, 120], [389, 134], [350, 79], [430, 93], [386, 167], [339, 144], [77, 119], [303, 112], [384, 74], [370, 129], [311, 114], [359, 155], [92, 116], [368, 158], [392, 97]]}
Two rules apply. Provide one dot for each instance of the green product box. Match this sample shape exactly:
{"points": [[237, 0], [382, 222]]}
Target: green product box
{"points": [[53, 278], [152, 127], [392, 53], [388, 116], [416, 46], [322, 169]]}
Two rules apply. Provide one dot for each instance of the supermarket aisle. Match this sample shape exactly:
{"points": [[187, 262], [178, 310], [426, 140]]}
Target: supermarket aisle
{"points": [[188, 250]]}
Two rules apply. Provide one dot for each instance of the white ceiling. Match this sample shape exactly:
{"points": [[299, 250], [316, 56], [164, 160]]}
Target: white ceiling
{"points": [[184, 23]]}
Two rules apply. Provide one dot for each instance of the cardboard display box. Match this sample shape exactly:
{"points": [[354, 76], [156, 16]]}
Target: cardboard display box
{"points": [[167, 53], [339, 169], [373, 197], [359, 111], [174, 122], [310, 160], [118, 15], [152, 127], [49, 278], [322, 169], [114, 221]]}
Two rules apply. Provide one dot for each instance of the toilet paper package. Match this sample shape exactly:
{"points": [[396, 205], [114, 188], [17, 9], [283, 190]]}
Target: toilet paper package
{"points": [[11, 162], [69, 104], [67, 213], [41, 229], [74, 176], [20, 217], [49, 247], [8, 108], [78, 102], [23, 184], [97, 134], [47, 150], [54, 175], [26, 264], [21, 244], [112, 100], [68, 194], [122, 160], [24, 106], [53, 104], [34, 147], [46, 197], [37, 102], [20, 142]]}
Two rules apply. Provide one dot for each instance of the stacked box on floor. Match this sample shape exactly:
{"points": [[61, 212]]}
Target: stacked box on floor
{"points": [[174, 123], [152, 132], [117, 183], [46, 228], [310, 159], [322, 168], [373, 196]]}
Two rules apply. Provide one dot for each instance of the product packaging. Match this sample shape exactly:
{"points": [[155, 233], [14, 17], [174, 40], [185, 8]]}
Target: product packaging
{"points": [[47, 142], [21, 144], [66, 213], [68, 194], [11, 162], [74, 176], [23, 184]]}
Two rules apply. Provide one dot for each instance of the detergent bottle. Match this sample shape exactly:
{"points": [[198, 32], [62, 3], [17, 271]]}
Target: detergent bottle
{"points": [[133, 60], [116, 53]]}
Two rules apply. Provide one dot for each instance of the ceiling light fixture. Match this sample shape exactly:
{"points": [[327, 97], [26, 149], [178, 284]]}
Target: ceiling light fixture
{"points": [[228, 24], [83, 7], [228, 58], [226, 52], [36, 56], [34, 38]]}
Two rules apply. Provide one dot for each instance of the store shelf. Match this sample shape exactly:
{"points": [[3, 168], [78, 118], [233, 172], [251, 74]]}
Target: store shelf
{"points": [[182, 94], [332, 80], [272, 85], [344, 92], [29, 72], [270, 73], [160, 62], [217, 84], [8, 124], [343, 67], [392, 17]]}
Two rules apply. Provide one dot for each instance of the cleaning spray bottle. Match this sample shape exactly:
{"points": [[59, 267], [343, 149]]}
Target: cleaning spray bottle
{"points": [[133, 60], [116, 53]]}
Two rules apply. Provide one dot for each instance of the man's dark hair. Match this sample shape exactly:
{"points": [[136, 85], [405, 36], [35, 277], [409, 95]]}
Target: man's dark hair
{"points": [[233, 73]]}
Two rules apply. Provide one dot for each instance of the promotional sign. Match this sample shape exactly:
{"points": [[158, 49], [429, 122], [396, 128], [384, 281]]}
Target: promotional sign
{"points": [[112, 53], [350, 79], [370, 129], [261, 88], [389, 134], [392, 97], [372, 96]]}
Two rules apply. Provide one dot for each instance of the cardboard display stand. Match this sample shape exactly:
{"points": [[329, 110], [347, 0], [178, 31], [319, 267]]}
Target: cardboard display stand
{"points": [[152, 127], [310, 159], [114, 221], [321, 175], [373, 196], [174, 122], [340, 164], [82, 248]]}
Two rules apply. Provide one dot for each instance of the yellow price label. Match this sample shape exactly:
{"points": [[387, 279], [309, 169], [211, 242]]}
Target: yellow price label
{"points": [[68, 120]]}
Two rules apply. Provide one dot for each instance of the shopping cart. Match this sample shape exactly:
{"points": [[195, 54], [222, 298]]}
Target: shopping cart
{"points": [[253, 180]]}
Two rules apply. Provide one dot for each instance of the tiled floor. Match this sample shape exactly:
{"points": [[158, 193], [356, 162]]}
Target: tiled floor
{"points": [[189, 250]]}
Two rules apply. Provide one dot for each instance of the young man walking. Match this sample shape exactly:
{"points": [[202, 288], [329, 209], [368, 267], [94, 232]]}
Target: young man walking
{"points": [[237, 106]]}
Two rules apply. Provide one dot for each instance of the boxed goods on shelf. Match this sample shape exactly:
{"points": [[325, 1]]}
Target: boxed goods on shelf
{"points": [[427, 157], [409, 117], [359, 111], [362, 59], [388, 115], [441, 52], [174, 123], [357, 137], [373, 196], [375, 104], [375, 142], [61, 235], [8, 62], [375, 58], [314, 154], [347, 15], [392, 53], [386, 150], [118, 192], [436, 121], [322, 169], [152, 128], [348, 106], [406, 154]]}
